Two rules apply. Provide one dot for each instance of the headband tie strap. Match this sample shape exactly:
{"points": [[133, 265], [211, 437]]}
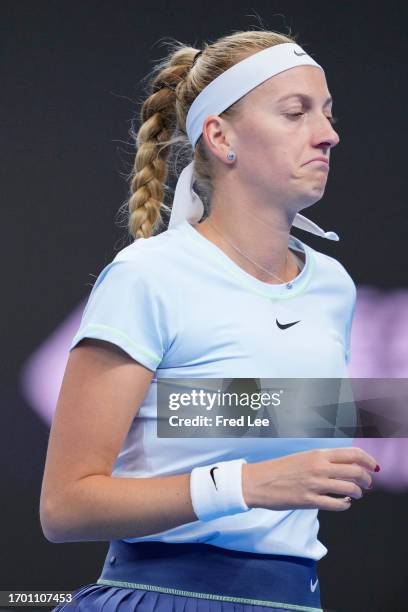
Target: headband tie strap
{"points": [[215, 98]]}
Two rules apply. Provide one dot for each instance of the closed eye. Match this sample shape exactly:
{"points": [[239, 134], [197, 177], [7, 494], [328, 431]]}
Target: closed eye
{"points": [[332, 120]]}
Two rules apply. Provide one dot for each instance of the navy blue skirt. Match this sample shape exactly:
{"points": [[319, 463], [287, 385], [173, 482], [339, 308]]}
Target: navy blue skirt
{"points": [[158, 577]]}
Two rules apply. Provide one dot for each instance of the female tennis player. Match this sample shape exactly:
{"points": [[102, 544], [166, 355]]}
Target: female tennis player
{"points": [[213, 523]]}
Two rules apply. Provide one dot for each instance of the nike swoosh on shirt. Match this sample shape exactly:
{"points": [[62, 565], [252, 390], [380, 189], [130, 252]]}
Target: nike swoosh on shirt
{"points": [[286, 325], [313, 586], [212, 476]]}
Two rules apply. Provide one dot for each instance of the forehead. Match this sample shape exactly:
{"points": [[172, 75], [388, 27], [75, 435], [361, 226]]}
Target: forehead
{"points": [[307, 80]]}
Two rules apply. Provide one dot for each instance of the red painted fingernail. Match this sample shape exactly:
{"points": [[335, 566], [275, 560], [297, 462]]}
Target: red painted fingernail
{"points": [[377, 468]]}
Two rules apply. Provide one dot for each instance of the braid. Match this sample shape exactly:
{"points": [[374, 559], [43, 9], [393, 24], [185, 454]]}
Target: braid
{"points": [[158, 122]]}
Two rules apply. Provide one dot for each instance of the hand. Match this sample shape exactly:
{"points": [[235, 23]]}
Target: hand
{"points": [[308, 479]]}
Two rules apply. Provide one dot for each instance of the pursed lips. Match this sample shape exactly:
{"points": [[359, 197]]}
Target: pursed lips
{"points": [[323, 163], [323, 160]]}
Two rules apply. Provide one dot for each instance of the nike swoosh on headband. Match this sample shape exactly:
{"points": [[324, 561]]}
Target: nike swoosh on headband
{"points": [[286, 325], [299, 53]]}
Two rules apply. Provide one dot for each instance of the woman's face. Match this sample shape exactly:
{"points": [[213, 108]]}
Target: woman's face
{"points": [[278, 133]]}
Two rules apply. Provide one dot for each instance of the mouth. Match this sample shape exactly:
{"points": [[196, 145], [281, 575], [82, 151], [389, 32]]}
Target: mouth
{"points": [[321, 158], [319, 162]]}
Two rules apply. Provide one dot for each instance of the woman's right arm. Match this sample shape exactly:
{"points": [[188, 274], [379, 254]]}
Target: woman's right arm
{"points": [[101, 393]]}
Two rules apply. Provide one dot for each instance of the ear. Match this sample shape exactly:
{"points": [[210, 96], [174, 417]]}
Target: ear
{"points": [[217, 134]]}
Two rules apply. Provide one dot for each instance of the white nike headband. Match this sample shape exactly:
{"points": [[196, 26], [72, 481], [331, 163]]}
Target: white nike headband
{"points": [[219, 95]]}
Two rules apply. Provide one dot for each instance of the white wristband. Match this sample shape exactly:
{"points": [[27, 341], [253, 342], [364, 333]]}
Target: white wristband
{"points": [[216, 489]]}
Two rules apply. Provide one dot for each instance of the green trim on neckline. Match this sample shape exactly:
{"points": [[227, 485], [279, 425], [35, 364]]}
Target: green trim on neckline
{"points": [[229, 265], [239, 273]]}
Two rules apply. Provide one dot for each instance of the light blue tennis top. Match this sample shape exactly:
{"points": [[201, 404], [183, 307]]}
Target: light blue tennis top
{"points": [[180, 306]]}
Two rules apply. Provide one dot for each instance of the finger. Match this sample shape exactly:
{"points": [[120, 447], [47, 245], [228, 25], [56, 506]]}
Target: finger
{"points": [[352, 455], [342, 487], [325, 502], [353, 472]]}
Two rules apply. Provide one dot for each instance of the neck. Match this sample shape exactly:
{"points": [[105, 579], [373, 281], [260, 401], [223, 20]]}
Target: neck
{"points": [[264, 239]]}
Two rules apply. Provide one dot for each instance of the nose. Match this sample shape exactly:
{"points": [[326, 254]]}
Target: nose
{"points": [[325, 133]]}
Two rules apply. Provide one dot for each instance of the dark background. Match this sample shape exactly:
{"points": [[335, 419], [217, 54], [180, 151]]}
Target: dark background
{"points": [[71, 83]]}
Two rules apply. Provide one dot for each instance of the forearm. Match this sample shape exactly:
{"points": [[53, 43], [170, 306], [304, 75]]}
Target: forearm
{"points": [[107, 508]]}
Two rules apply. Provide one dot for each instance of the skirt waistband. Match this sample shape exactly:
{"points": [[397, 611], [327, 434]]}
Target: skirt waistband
{"points": [[207, 571]]}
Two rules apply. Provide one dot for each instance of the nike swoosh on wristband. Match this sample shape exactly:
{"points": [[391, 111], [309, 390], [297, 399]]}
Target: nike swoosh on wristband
{"points": [[299, 53], [212, 475], [286, 325], [313, 586]]}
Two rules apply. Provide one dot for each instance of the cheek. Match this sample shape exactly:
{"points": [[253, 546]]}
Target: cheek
{"points": [[267, 145], [258, 148], [255, 134], [263, 149]]}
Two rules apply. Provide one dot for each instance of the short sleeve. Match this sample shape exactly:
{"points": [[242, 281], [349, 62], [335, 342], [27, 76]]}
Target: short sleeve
{"points": [[125, 308]]}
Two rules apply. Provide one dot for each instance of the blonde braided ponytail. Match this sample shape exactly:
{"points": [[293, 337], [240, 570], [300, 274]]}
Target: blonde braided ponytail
{"points": [[158, 121]]}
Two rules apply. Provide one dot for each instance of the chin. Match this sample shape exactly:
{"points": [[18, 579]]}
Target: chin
{"points": [[310, 199]]}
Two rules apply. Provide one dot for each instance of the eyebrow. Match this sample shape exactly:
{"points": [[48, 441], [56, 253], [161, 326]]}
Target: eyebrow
{"points": [[304, 97]]}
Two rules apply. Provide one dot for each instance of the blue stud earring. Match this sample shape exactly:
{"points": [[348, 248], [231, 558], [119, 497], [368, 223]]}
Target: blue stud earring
{"points": [[231, 156]]}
